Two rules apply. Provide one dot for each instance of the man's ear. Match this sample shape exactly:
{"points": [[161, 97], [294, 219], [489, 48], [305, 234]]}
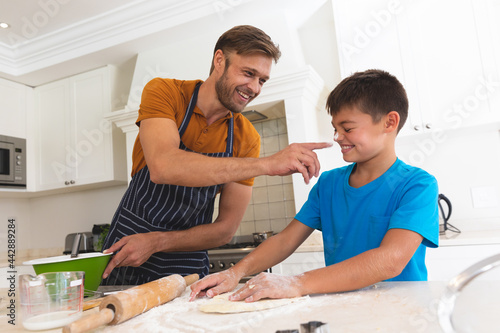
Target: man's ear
{"points": [[219, 61], [391, 121]]}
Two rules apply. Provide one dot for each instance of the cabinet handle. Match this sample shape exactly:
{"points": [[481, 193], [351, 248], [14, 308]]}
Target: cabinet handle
{"points": [[428, 125], [72, 182], [416, 128], [66, 183]]}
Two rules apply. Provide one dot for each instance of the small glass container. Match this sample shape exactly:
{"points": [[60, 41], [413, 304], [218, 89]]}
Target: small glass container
{"points": [[51, 300]]}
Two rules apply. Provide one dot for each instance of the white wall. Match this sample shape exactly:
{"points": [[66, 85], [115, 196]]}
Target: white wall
{"points": [[44, 222], [55, 216], [293, 24], [18, 209], [463, 160]]}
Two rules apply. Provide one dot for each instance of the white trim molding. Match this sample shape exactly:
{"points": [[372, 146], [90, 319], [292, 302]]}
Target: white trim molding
{"points": [[124, 24]]}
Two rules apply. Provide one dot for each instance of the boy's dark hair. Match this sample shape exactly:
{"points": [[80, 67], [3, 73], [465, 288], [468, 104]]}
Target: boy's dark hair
{"points": [[374, 92], [246, 39]]}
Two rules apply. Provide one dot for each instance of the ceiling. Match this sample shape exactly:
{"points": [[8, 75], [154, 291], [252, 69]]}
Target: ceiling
{"points": [[51, 39]]}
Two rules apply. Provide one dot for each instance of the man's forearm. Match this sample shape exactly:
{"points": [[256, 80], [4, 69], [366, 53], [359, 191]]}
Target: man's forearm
{"points": [[184, 168], [178, 167], [201, 237]]}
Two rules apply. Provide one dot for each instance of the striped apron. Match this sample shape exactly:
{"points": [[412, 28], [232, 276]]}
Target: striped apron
{"points": [[148, 207]]}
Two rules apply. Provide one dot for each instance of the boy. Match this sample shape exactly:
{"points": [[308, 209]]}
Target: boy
{"points": [[377, 214]]}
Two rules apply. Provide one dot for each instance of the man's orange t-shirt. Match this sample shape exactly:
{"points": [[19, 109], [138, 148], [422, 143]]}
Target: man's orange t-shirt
{"points": [[169, 98]]}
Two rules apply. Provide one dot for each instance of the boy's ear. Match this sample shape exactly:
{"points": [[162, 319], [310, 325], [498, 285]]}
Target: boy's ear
{"points": [[392, 121]]}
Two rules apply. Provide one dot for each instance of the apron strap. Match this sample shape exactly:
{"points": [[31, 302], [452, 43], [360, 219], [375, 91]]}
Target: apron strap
{"points": [[229, 141], [189, 113], [189, 110]]}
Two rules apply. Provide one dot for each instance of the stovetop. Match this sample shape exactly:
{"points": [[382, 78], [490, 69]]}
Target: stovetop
{"points": [[237, 244]]}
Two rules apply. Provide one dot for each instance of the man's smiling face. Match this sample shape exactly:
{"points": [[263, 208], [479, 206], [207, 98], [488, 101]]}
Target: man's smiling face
{"points": [[242, 79]]}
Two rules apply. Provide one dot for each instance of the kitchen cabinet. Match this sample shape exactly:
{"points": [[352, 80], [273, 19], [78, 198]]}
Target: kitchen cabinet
{"points": [[448, 67], [75, 145], [300, 262], [14, 101], [445, 262]]}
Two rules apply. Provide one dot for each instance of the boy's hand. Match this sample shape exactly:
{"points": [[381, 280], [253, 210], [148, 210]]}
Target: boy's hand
{"points": [[267, 285], [214, 284]]}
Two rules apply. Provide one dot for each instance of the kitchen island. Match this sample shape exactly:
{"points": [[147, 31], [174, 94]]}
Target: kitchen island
{"points": [[384, 307]]}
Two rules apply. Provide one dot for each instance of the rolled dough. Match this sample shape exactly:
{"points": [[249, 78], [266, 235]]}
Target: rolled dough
{"points": [[222, 304]]}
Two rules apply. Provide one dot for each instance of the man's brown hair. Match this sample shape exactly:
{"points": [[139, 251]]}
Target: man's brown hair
{"points": [[374, 92], [246, 39]]}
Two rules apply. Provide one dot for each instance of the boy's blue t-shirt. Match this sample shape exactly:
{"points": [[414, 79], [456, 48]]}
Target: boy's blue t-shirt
{"points": [[355, 220]]}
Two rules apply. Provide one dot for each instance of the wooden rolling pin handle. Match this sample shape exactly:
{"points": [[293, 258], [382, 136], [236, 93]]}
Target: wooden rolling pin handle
{"points": [[190, 279], [124, 305], [103, 317]]}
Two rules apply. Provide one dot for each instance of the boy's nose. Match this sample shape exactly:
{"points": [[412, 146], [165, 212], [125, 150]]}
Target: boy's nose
{"points": [[336, 136]]}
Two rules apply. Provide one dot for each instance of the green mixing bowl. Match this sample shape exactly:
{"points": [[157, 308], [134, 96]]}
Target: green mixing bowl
{"points": [[93, 264]]}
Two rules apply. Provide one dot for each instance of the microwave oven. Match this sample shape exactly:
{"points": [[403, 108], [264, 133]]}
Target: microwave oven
{"points": [[12, 161]]}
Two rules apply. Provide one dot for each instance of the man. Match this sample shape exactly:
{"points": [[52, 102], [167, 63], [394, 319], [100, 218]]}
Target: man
{"points": [[193, 143]]}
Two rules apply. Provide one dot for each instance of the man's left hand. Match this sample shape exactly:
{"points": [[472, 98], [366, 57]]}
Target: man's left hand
{"points": [[133, 250]]}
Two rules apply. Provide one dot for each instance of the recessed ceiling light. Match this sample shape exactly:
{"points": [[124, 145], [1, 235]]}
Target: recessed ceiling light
{"points": [[4, 25]]}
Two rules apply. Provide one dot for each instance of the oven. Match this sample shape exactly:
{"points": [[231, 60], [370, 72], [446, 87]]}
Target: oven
{"points": [[228, 255]]}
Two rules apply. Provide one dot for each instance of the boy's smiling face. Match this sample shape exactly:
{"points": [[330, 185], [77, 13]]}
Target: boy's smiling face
{"points": [[359, 137]]}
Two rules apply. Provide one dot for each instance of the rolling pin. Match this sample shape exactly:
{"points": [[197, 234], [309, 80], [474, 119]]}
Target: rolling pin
{"points": [[117, 308]]}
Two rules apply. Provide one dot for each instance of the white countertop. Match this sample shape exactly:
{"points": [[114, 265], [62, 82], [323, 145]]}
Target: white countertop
{"points": [[470, 237], [467, 237], [384, 307]]}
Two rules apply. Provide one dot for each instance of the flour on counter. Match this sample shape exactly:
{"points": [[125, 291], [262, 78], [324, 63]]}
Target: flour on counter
{"points": [[180, 315], [222, 304]]}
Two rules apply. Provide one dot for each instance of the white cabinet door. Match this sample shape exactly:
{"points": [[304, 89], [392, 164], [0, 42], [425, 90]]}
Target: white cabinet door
{"points": [[91, 137], [445, 262], [444, 52], [53, 124], [300, 262], [13, 108], [75, 142], [453, 59]]}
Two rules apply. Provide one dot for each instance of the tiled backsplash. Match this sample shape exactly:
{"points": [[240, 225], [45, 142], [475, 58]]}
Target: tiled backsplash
{"points": [[272, 206]]}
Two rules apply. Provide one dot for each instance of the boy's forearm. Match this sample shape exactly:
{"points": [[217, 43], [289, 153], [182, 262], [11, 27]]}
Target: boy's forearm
{"points": [[375, 265], [266, 255], [259, 260], [357, 272]]}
